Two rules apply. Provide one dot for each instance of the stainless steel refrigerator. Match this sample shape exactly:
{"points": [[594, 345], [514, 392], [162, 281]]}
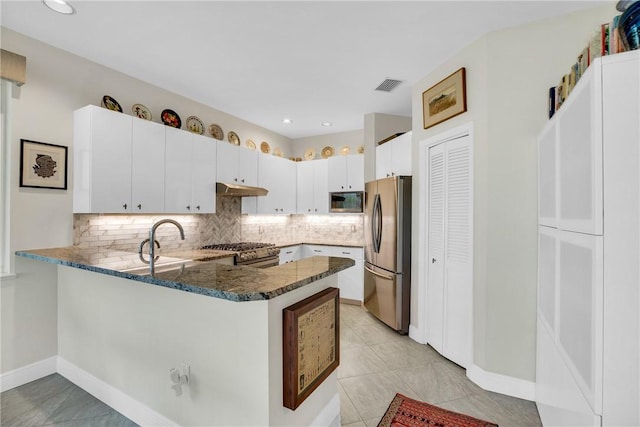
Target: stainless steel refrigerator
{"points": [[387, 250]]}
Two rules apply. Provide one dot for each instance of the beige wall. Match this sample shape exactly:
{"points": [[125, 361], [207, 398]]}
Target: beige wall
{"points": [[508, 76], [352, 139]]}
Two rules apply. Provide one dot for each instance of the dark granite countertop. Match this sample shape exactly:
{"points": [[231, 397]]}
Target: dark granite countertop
{"points": [[201, 275], [342, 244]]}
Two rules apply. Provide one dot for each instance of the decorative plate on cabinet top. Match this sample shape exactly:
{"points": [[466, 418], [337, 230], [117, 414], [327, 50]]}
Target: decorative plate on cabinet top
{"points": [[195, 125], [327, 152], [233, 138], [277, 152], [345, 150], [250, 144], [140, 111], [111, 104], [265, 147], [216, 132], [361, 149], [309, 154], [171, 118]]}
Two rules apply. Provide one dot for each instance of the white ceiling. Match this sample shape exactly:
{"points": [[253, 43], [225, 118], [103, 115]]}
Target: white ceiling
{"points": [[263, 61]]}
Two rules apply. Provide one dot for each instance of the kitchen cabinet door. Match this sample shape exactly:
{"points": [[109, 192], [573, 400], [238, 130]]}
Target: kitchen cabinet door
{"points": [[178, 173], [355, 172], [305, 187], [401, 155], [203, 167], [346, 173], [383, 160], [248, 175], [320, 187], [147, 169], [227, 162], [547, 176], [337, 166], [277, 175], [351, 280], [290, 254], [102, 161]]}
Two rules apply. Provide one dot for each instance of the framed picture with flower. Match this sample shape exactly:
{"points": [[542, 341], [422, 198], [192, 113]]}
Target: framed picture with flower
{"points": [[43, 165]]}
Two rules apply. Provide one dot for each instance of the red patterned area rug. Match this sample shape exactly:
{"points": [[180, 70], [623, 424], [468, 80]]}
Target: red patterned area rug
{"points": [[413, 413]]}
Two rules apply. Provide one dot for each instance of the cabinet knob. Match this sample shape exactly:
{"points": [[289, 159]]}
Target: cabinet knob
{"points": [[125, 206], [393, 174], [198, 207], [349, 187], [433, 260], [243, 180], [387, 175], [276, 209], [188, 207], [235, 179], [316, 209], [342, 186], [139, 206], [309, 210]]}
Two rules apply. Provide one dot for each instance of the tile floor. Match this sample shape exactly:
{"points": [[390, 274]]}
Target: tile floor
{"points": [[375, 364]]}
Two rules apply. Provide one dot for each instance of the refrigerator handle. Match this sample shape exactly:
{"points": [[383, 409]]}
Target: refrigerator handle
{"points": [[378, 274], [374, 223], [378, 209]]}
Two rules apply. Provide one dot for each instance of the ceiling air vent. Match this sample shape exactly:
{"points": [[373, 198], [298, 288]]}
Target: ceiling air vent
{"points": [[388, 85]]}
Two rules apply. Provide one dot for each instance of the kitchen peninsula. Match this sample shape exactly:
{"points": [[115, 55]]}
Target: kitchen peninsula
{"points": [[121, 330]]}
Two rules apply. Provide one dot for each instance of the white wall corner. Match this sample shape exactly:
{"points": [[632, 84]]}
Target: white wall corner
{"points": [[26, 374], [121, 402], [328, 417], [503, 384]]}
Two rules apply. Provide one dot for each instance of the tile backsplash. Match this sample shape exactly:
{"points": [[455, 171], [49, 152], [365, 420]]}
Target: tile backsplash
{"points": [[125, 232]]}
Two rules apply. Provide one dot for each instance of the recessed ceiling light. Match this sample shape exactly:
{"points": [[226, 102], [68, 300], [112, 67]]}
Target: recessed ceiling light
{"points": [[60, 6], [326, 124], [287, 121]]}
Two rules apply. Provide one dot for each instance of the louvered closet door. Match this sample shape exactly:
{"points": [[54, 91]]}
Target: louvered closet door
{"points": [[449, 291]]}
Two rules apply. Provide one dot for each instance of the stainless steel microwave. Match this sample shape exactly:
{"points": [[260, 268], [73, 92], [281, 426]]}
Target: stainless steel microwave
{"points": [[346, 202]]}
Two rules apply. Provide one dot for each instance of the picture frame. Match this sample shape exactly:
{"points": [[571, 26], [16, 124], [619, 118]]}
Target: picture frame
{"points": [[445, 99], [310, 343], [43, 165]]}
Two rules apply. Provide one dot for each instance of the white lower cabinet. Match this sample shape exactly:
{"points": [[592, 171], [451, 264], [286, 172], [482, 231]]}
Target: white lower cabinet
{"points": [[290, 254], [351, 280]]}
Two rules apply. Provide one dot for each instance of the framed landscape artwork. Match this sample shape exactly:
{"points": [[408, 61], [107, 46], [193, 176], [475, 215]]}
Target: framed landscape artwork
{"points": [[311, 344], [444, 100], [43, 165]]}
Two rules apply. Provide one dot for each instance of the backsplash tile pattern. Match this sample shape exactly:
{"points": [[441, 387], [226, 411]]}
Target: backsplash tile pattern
{"points": [[125, 232], [330, 229]]}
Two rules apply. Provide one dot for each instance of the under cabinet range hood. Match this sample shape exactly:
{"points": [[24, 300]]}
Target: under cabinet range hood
{"points": [[225, 189]]}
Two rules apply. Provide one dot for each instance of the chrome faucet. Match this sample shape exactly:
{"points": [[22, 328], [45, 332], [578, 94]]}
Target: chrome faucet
{"points": [[152, 238]]}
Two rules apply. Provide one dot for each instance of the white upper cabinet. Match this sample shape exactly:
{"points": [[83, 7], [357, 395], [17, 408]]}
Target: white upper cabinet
{"points": [[147, 169], [277, 175], [102, 161], [203, 167], [346, 173], [123, 164], [312, 189], [393, 158], [547, 176], [190, 173], [236, 165], [579, 133]]}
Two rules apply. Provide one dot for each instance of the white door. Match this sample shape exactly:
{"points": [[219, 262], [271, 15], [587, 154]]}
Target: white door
{"points": [[147, 170], [355, 172], [383, 160], [435, 261], [337, 173], [305, 187], [449, 291], [320, 187]]}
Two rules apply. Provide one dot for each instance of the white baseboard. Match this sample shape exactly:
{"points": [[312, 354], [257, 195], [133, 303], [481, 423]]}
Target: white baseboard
{"points": [[328, 417], [417, 335], [502, 384], [26, 374], [121, 402]]}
